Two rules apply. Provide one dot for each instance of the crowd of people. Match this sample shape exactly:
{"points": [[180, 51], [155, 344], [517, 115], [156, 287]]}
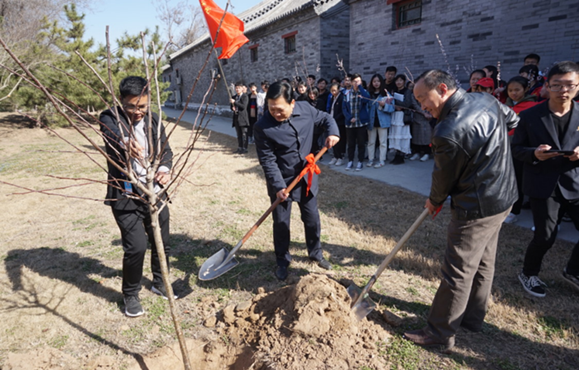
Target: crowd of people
{"points": [[493, 146]]}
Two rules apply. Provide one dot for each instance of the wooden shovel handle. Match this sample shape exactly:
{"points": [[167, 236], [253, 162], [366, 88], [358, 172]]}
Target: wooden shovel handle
{"points": [[276, 202]]}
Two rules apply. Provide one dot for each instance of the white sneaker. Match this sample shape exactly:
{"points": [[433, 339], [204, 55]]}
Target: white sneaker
{"points": [[379, 164], [349, 166], [339, 162], [424, 158], [415, 157], [359, 166], [511, 218], [333, 161], [370, 164]]}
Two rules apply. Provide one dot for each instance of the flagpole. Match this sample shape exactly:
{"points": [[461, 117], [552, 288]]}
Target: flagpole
{"points": [[215, 51], [222, 74]]}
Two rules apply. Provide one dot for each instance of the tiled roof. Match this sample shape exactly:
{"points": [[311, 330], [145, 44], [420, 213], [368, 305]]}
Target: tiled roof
{"points": [[264, 13]]}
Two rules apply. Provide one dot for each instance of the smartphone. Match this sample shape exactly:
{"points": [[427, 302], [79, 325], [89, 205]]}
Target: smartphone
{"points": [[564, 152]]}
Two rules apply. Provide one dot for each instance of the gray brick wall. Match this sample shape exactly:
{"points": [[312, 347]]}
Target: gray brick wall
{"points": [[474, 34]]}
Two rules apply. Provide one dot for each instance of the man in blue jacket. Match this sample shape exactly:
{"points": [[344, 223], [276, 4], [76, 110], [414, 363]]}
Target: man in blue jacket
{"points": [[283, 139]]}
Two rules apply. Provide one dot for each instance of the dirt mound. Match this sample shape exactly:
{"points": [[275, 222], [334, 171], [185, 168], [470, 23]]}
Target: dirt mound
{"points": [[305, 326]]}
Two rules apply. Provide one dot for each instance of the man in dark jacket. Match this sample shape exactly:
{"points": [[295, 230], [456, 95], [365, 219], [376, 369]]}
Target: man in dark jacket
{"points": [[283, 139], [472, 165], [125, 132], [547, 141], [239, 104]]}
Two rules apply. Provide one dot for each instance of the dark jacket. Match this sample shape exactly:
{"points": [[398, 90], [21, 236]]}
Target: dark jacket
{"points": [[338, 112], [240, 116], [112, 133], [283, 146], [541, 177], [472, 157]]}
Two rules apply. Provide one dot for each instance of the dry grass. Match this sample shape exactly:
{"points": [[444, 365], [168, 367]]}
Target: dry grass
{"points": [[61, 261]]}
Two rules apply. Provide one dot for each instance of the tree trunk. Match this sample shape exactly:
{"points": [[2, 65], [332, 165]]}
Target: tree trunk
{"points": [[165, 272]]}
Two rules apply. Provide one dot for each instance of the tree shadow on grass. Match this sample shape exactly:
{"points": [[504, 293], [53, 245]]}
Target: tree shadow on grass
{"points": [[61, 265]]}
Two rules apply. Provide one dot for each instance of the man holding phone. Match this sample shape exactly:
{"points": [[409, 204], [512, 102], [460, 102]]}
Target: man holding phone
{"points": [[547, 141]]}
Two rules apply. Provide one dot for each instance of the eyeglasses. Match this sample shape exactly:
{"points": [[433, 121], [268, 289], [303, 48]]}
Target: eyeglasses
{"points": [[557, 88], [133, 108]]}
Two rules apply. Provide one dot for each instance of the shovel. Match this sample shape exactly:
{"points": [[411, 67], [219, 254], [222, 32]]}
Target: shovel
{"points": [[362, 305], [223, 261]]}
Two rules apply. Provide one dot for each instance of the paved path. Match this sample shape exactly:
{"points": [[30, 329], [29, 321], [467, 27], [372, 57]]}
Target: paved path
{"points": [[412, 175]]}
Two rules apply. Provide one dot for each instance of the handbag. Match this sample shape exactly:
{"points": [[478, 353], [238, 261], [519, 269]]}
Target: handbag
{"points": [[408, 116]]}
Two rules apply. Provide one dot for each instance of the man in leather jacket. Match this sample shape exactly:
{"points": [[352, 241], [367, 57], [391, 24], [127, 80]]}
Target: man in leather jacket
{"points": [[472, 165]]}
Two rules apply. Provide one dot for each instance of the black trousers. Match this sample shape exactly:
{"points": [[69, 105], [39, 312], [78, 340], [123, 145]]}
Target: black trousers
{"points": [[545, 216], [340, 147], [281, 228], [518, 165], [356, 138], [241, 136], [136, 232]]}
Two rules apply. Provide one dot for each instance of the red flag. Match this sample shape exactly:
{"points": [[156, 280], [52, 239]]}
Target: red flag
{"points": [[231, 36]]}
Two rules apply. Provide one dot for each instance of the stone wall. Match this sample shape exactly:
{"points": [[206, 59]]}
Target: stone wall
{"points": [[473, 33]]}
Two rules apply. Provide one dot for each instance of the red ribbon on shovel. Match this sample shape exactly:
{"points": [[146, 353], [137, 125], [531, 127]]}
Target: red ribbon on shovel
{"points": [[310, 169]]}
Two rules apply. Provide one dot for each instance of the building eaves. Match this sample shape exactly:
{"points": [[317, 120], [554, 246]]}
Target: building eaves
{"points": [[261, 15]]}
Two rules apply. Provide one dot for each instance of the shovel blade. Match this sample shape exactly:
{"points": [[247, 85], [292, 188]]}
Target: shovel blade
{"points": [[361, 306], [215, 266]]}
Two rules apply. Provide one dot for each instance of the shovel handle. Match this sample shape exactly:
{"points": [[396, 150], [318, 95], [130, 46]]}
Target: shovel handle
{"points": [[273, 205], [392, 253]]}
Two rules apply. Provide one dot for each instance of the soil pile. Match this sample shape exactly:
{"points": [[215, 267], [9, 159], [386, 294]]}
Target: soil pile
{"points": [[305, 326]]}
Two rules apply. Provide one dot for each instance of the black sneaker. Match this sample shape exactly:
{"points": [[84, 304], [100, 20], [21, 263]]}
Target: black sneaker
{"points": [[533, 285], [133, 306], [571, 279], [160, 290]]}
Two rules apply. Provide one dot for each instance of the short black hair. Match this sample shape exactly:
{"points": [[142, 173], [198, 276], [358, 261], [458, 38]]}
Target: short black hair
{"points": [[530, 69], [133, 85], [313, 77], [520, 80], [285, 79], [533, 56], [403, 77], [239, 83], [264, 82], [356, 75], [563, 68], [313, 90], [391, 69], [434, 77], [479, 71], [252, 85], [280, 89], [323, 79]]}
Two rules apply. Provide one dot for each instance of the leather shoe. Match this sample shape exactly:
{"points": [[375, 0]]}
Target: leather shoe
{"points": [[421, 338], [281, 273], [323, 263]]}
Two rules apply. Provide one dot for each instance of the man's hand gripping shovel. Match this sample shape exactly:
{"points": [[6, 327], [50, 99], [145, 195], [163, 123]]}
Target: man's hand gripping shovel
{"points": [[223, 261], [362, 305]]}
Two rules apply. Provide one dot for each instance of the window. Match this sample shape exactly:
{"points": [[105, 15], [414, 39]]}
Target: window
{"points": [[289, 42], [408, 13], [253, 52]]}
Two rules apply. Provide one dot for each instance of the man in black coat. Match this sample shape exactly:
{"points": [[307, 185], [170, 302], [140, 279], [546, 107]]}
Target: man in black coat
{"points": [[547, 141], [283, 139], [240, 117], [127, 142], [472, 165]]}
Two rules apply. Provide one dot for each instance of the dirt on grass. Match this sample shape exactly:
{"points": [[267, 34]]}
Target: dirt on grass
{"points": [[61, 305]]}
